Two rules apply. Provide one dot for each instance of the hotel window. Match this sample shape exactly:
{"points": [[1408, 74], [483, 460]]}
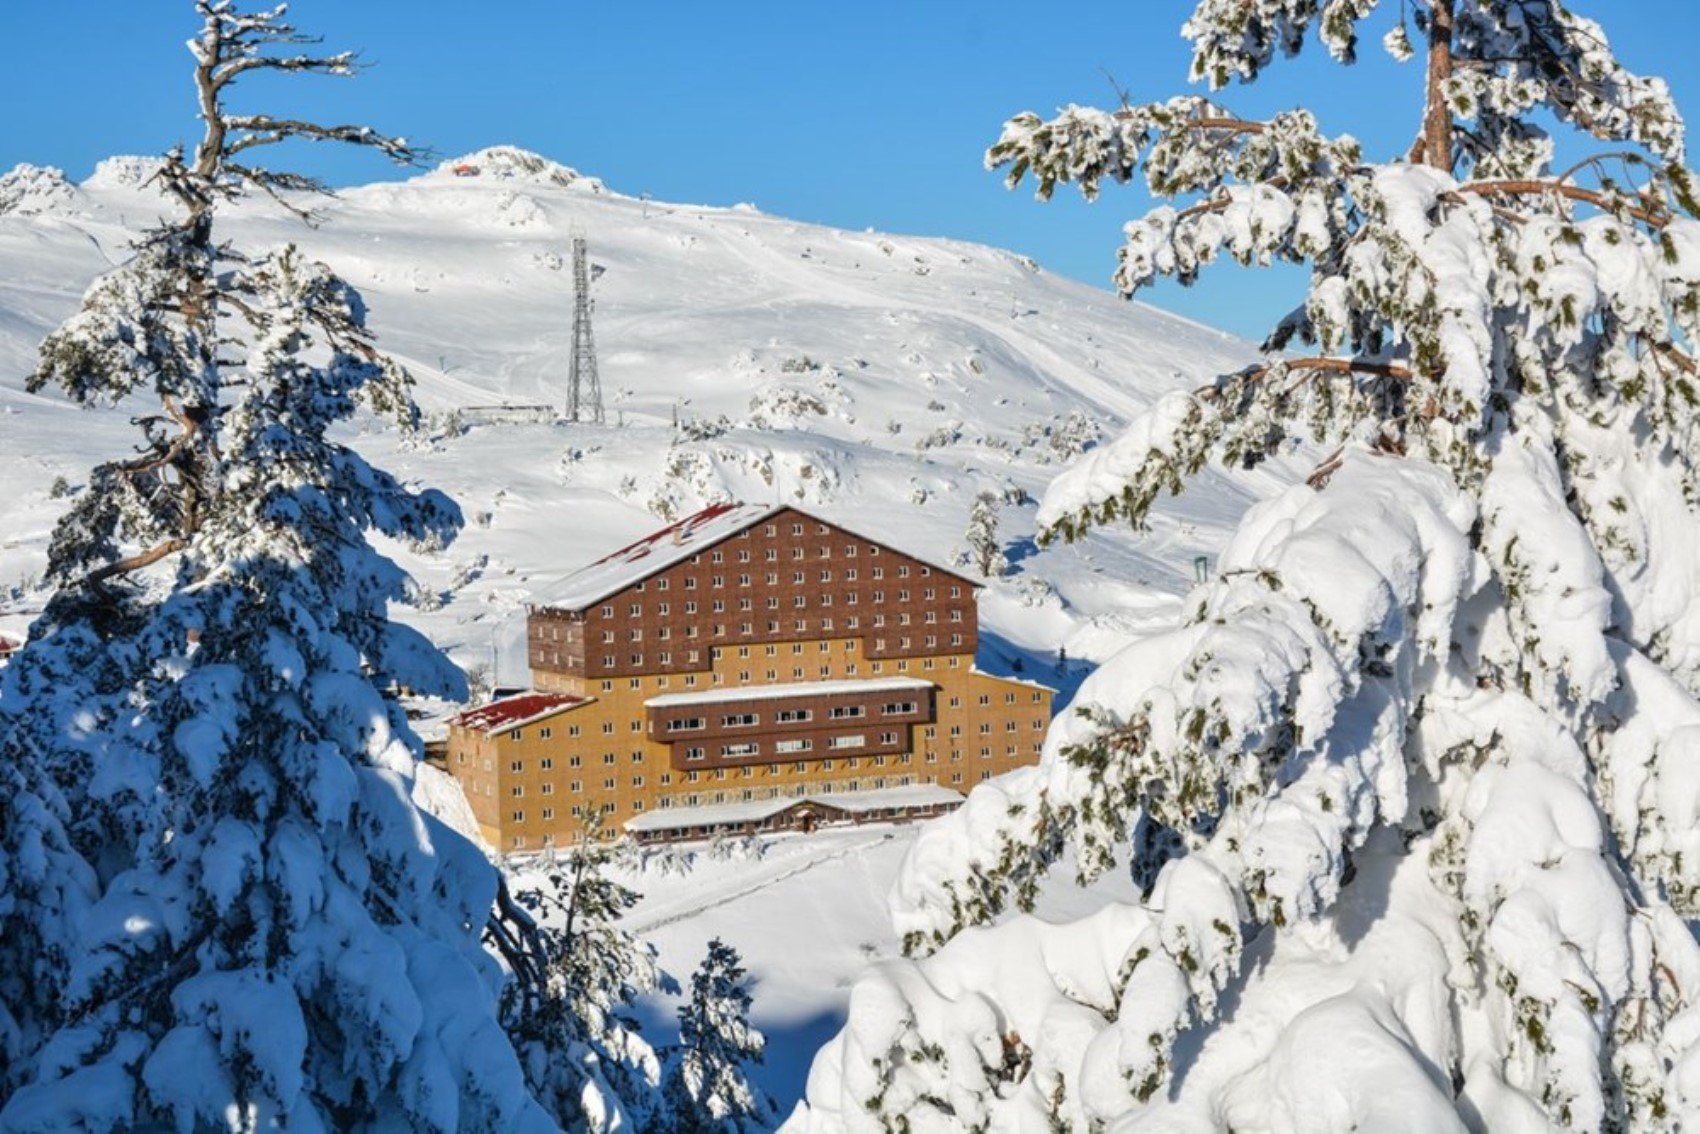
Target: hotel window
{"points": [[693, 754], [636, 609], [802, 744], [546, 763], [853, 741], [740, 720], [519, 817], [903, 570], [661, 585], [548, 789], [690, 582], [608, 757], [717, 557], [684, 724], [548, 814], [637, 781], [607, 636], [749, 748], [575, 761], [797, 529], [608, 611], [516, 766], [608, 784]]}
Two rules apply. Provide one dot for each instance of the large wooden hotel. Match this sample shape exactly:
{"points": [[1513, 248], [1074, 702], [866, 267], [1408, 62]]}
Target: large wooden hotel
{"points": [[747, 668]]}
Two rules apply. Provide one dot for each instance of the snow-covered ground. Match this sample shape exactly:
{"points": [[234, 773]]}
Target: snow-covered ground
{"points": [[881, 380]]}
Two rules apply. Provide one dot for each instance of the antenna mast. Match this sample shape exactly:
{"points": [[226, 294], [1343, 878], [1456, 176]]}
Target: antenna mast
{"points": [[584, 394]]}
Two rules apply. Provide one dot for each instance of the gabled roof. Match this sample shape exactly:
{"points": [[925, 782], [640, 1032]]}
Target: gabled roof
{"points": [[679, 541], [654, 552], [516, 712]]}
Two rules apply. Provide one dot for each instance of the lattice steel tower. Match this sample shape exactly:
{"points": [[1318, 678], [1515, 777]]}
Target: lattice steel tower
{"points": [[584, 395]]}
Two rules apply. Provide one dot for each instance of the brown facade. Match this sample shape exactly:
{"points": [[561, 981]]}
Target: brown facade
{"points": [[713, 733], [615, 742], [788, 577]]}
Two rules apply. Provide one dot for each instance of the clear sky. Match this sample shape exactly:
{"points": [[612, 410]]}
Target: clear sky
{"points": [[873, 113]]}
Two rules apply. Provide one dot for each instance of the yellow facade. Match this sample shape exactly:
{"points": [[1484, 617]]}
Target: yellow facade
{"points": [[530, 785]]}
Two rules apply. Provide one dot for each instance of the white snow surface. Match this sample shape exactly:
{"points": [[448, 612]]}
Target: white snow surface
{"points": [[880, 381]]}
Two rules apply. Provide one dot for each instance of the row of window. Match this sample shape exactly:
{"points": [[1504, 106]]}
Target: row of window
{"points": [[771, 578], [665, 633], [749, 771], [665, 657], [747, 748]]}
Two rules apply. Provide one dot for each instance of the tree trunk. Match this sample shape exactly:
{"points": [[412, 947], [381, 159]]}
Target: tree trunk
{"points": [[1433, 146]]}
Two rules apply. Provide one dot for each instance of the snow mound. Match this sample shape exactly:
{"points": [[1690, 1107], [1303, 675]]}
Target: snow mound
{"points": [[37, 190], [510, 163], [124, 171]]}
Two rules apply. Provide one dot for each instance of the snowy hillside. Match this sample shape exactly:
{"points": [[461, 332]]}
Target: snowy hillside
{"points": [[883, 380]]}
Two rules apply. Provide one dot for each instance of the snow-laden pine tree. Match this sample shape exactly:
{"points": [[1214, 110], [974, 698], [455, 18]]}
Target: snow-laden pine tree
{"points": [[577, 976], [983, 552], [277, 935], [707, 1086], [1413, 787], [45, 883]]}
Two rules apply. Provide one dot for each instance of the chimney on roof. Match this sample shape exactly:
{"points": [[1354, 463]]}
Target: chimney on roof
{"points": [[678, 534]]}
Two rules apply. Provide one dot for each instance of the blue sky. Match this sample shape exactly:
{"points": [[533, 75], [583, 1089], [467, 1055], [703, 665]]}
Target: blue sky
{"points": [[868, 114]]}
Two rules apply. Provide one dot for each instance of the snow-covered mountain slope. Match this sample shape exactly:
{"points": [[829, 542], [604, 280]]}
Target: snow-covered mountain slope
{"points": [[882, 380]]}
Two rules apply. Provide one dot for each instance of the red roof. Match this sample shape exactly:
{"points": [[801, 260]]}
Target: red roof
{"points": [[10, 645], [511, 712]]}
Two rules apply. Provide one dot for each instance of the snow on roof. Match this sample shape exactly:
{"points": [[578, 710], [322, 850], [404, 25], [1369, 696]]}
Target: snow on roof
{"points": [[654, 552], [1012, 679], [912, 795], [710, 815], [515, 712], [754, 811], [679, 541], [9, 644], [795, 689]]}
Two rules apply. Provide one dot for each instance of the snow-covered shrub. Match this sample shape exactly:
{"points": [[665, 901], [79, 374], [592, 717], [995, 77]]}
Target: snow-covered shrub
{"points": [[707, 1084], [1411, 789], [578, 974]]}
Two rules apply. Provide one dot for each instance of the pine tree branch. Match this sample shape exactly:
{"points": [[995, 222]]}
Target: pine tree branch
{"points": [[1321, 364], [1533, 187], [135, 562]]}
